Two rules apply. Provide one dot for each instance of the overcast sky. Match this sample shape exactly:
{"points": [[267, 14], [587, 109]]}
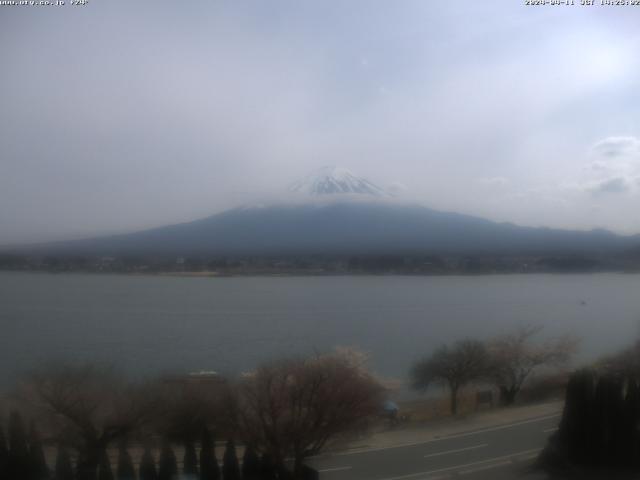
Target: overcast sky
{"points": [[124, 115]]}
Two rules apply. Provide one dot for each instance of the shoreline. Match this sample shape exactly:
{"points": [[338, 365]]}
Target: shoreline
{"points": [[257, 274]]}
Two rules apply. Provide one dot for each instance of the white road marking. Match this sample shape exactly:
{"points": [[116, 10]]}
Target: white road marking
{"points": [[500, 427], [482, 445], [548, 430], [458, 435], [497, 462], [502, 463], [336, 469], [521, 458]]}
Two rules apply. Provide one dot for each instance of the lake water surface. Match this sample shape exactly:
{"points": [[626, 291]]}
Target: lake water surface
{"points": [[152, 323]]}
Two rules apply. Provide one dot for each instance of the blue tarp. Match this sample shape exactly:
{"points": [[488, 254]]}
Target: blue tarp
{"points": [[390, 406]]}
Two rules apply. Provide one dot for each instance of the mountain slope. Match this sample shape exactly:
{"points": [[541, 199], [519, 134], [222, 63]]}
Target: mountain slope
{"points": [[336, 212], [347, 228]]}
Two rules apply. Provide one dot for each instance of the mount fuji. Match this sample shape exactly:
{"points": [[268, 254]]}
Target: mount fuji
{"points": [[335, 212], [332, 180]]}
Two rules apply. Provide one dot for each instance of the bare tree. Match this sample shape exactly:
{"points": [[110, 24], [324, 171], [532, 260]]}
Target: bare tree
{"points": [[295, 408], [455, 366], [190, 404], [514, 356], [90, 407]]}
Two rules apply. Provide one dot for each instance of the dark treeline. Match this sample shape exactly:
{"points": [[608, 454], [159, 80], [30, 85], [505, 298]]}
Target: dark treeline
{"points": [[322, 264], [93, 424], [23, 458], [599, 433]]}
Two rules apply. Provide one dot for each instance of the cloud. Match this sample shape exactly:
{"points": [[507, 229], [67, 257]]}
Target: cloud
{"points": [[497, 183], [611, 185], [186, 112], [615, 169], [617, 146], [397, 188]]}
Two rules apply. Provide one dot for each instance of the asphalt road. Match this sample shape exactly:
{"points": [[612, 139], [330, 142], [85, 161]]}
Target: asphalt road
{"points": [[500, 452]]}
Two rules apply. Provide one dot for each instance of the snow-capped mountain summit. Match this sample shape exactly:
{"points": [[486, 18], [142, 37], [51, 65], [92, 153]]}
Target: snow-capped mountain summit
{"points": [[331, 180]]}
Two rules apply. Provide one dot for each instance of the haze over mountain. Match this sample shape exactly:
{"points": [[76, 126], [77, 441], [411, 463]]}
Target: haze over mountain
{"points": [[335, 212]]}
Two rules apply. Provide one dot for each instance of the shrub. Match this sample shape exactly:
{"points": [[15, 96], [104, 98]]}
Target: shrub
{"points": [[230, 467]]}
